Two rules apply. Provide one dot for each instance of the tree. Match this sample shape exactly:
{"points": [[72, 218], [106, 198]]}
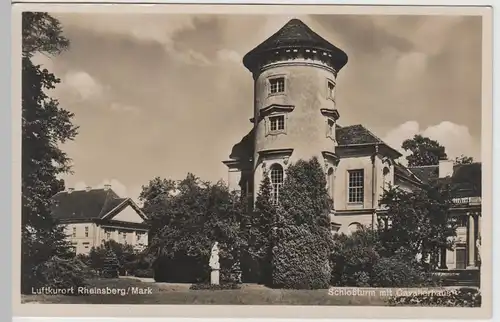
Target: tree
{"points": [[44, 126], [462, 159], [302, 240], [258, 242], [154, 197], [186, 225], [424, 151], [111, 265], [420, 220]]}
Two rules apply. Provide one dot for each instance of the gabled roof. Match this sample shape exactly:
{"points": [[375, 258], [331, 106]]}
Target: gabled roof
{"points": [[296, 34], [86, 205]]}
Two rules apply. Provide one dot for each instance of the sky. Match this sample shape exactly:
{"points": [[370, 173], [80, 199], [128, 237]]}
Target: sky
{"points": [[164, 95]]}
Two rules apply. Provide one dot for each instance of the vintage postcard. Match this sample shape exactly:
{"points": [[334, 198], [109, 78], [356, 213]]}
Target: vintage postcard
{"points": [[252, 161]]}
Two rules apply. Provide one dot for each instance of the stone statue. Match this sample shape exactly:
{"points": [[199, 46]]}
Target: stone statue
{"points": [[214, 257], [478, 247], [214, 264]]}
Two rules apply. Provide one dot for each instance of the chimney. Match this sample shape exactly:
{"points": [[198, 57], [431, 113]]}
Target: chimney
{"points": [[107, 186], [70, 190], [88, 188], [445, 168]]}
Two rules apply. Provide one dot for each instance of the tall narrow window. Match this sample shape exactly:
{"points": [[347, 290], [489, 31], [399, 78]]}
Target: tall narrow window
{"points": [[356, 186], [331, 90], [276, 181], [330, 182], [330, 129], [277, 85], [86, 231], [277, 123], [74, 231]]}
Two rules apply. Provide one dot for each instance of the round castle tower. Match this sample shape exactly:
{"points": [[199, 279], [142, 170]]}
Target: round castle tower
{"points": [[295, 116]]}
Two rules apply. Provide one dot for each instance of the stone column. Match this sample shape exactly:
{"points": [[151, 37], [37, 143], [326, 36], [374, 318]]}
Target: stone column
{"points": [[471, 242], [442, 258]]}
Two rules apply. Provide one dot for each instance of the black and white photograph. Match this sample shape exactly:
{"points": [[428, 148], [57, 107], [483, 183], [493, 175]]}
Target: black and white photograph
{"points": [[318, 158]]}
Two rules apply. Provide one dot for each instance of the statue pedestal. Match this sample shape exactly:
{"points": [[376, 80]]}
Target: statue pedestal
{"points": [[214, 277]]}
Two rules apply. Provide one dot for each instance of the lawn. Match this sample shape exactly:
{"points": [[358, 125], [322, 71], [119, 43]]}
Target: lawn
{"points": [[163, 293]]}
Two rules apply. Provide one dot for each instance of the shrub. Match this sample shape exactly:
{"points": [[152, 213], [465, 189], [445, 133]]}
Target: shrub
{"points": [[396, 272], [126, 256], [300, 260], [60, 273], [353, 258], [215, 287], [463, 297]]}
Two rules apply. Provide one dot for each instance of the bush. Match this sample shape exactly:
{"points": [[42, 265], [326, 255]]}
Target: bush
{"points": [[60, 273], [396, 272], [300, 260], [353, 258], [215, 287], [463, 297]]}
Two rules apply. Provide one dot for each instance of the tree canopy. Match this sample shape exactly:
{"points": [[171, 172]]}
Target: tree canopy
{"points": [[419, 221], [424, 151], [463, 159], [45, 125], [185, 223]]}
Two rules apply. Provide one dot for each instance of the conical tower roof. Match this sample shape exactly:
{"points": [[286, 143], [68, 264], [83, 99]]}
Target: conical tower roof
{"points": [[296, 34]]}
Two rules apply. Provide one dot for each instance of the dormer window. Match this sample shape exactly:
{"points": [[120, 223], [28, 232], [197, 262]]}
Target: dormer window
{"points": [[277, 85]]}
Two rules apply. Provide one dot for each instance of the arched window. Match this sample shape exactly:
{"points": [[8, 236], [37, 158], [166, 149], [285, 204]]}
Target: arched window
{"points": [[276, 174], [354, 227], [329, 178]]}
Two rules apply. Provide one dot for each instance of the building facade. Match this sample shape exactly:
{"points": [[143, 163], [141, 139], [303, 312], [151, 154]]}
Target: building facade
{"points": [[93, 216], [296, 117]]}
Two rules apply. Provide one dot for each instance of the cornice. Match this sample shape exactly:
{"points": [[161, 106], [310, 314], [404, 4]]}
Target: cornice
{"points": [[299, 56], [328, 112], [348, 212], [280, 108], [275, 152]]}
